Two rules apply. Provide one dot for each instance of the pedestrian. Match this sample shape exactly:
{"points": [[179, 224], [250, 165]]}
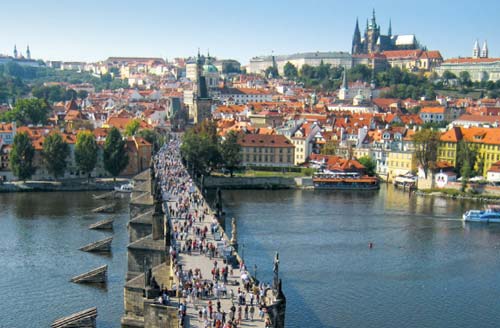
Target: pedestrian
{"points": [[252, 312], [246, 312]]}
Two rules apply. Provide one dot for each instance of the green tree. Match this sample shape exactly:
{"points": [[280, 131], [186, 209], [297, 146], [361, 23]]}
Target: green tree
{"points": [[329, 148], [230, 151], [447, 76], [200, 148], [28, 111], [465, 79], [271, 72], [132, 127], [465, 172], [369, 164], [290, 71], [21, 157], [115, 154], [55, 153], [426, 143], [86, 152], [466, 155], [82, 94]]}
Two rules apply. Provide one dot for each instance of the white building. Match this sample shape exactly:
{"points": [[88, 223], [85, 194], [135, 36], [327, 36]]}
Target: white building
{"points": [[259, 64]]}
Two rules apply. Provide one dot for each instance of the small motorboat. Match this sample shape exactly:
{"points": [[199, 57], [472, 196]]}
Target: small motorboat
{"points": [[125, 188]]}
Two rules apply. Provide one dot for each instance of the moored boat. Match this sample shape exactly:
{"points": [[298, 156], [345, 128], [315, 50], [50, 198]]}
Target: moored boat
{"points": [[125, 188], [344, 181], [489, 215]]}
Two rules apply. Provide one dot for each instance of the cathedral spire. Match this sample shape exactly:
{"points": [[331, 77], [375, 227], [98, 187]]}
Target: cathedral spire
{"points": [[484, 50], [476, 50], [374, 21], [389, 33], [356, 40]]}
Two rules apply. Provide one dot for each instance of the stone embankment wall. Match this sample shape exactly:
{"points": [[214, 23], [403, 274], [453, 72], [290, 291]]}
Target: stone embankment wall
{"points": [[249, 183], [58, 186]]}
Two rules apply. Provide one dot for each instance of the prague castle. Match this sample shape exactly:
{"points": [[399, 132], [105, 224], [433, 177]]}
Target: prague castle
{"points": [[374, 42]]}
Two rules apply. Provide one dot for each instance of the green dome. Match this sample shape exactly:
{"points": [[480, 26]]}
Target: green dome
{"points": [[209, 69]]}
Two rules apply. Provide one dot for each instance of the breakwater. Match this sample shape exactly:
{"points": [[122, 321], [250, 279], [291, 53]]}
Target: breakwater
{"points": [[173, 259]]}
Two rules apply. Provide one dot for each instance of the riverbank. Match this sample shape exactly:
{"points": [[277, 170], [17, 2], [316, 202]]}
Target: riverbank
{"points": [[456, 194], [271, 182], [63, 185]]}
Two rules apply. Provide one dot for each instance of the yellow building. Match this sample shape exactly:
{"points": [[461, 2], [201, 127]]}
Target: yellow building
{"points": [[485, 141], [400, 162]]}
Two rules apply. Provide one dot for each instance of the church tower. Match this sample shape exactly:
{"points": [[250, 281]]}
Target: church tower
{"points": [[475, 50], [372, 35], [15, 51], [484, 50], [202, 106], [389, 33], [356, 40], [28, 52]]}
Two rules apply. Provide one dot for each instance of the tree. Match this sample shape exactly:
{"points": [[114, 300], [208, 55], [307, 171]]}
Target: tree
{"points": [[465, 79], [86, 152], [132, 127], [21, 157], [271, 72], [465, 172], [28, 111], [290, 71], [82, 94], [330, 148], [466, 155], [55, 153], [369, 164], [231, 152], [447, 76], [115, 155], [426, 142], [200, 148]]}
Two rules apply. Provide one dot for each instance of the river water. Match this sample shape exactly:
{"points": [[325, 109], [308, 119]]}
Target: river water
{"points": [[426, 269], [40, 234]]}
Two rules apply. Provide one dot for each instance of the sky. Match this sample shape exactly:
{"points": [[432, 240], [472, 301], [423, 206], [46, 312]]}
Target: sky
{"points": [[92, 30]]}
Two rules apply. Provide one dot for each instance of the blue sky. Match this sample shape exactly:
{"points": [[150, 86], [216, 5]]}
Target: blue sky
{"points": [[92, 30]]}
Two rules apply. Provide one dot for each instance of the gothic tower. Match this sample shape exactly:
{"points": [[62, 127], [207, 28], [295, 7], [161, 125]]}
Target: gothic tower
{"points": [[389, 33], [372, 35], [484, 50], [28, 52], [475, 50], [356, 40], [202, 102]]}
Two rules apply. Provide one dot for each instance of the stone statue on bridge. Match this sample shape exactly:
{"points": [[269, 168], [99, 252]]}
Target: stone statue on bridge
{"points": [[234, 232], [276, 271]]}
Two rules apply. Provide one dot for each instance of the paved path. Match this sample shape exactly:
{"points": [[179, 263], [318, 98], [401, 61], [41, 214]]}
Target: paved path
{"points": [[197, 260], [186, 204]]}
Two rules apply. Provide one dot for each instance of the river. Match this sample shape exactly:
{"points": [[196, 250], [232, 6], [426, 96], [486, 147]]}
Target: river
{"points": [[426, 269], [40, 234]]}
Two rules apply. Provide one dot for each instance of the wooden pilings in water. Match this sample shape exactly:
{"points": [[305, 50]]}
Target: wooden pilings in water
{"points": [[103, 246], [82, 319], [98, 275], [106, 224], [109, 208], [107, 195]]}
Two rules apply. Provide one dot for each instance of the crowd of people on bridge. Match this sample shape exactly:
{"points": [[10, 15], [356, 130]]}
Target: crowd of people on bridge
{"points": [[218, 297]]}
